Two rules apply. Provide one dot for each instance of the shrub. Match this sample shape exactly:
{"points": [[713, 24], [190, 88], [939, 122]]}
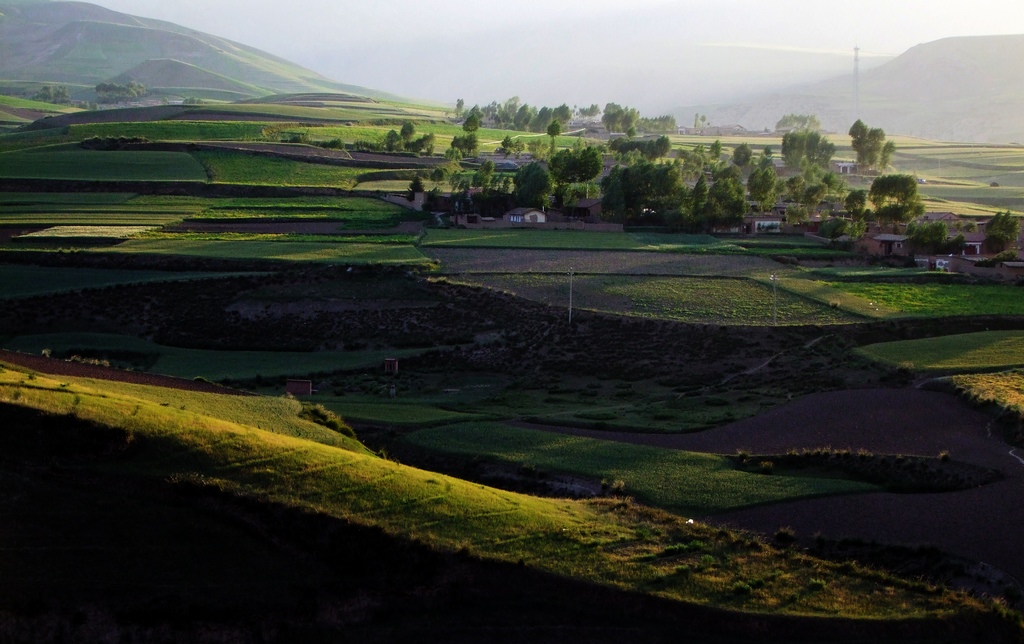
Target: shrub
{"points": [[814, 585], [785, 536], [741, 588], [767, 467], [326, 418]]}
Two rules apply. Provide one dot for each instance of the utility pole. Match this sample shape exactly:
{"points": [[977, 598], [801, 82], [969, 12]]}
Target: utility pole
{"points": [[856, 82], [570, 295], [775, 299]]}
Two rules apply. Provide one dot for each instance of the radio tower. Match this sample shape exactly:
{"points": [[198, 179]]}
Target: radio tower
{"points": [[856, 81]]}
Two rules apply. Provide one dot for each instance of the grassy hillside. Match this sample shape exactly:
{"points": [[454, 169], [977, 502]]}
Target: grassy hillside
{"points": [[259, 447], [89, 44], [985, 351]]}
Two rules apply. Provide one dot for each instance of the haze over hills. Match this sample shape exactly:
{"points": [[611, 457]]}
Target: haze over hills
{"points": [[955, 89], [83, 44]]}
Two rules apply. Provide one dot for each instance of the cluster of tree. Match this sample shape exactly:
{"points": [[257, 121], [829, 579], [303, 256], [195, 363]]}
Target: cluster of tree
{"points": [[53, 94], [651, 149], [807, 122], [512, 114], [658, 125], [576, 167], [617, 118], [116, 93], [404, 140], [1002, 230], [873, 151], [895, 199], [933, 237], [802, 148], [836, 227]]}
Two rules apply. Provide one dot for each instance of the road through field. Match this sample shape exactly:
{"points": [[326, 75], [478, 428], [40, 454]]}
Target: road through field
{"points": [[985, 523]]}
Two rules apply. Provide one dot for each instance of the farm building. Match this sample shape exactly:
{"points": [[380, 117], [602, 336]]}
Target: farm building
{"points": [[763, 223], [844, 167], [884, 245], [299, 387]]}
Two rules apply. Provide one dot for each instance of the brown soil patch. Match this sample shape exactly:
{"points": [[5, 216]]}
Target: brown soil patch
{"points": [[100, 372], [984, 524]]}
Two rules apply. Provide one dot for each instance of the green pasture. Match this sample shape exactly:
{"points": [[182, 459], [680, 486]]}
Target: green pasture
{"points": [[683, 482], [93, 165], [17, 280], [460, 260], [64, 199], [288, 251], [191, 363], [687, 299], [984, 351], [26, 104], [173, 130], [269, 453], [489, 138], [234, 167], [392, 412], [534, 239], [937, 300], [828, 294]]}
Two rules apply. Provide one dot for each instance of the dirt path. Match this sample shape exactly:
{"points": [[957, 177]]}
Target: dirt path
{"points": [[985, 524], [79, 370]]}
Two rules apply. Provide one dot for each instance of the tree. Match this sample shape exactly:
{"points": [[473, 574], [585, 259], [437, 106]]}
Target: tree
{"points": [[742, 155], [506, 145], [803, 148], [870, 145], [576, 166], [472, 123], [643, 190], [554, 129], [483, 177], [763, 187], [895, 198], [416, 186], [459, 106], [392, 141], [856, 203], [716, 151], [407, 132], [1002, 230], [832, 229], [466, 144], [727, 203], [562, 114], [699, 198], [524, 116], [929, 237], [808, 122], [532, 186]]}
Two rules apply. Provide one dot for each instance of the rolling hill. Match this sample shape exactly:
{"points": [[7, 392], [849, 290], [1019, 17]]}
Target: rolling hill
{"points": [[83, 44], [959, 89]]}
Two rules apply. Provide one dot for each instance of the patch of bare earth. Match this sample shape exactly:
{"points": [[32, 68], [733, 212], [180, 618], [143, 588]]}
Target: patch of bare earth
{"points": [[984, 523]]}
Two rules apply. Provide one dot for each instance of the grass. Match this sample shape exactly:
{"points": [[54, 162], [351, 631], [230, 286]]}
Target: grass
{"points": [[229, 167], [533, 239], [286, 251], [683, 482], [610, 543], [18, 281], [689, 299], [93, 165], [1005, 389], [503, 260], [393, 412], [938, 300], [190, 363], [985, 351], [87, 232], [173, 130]]}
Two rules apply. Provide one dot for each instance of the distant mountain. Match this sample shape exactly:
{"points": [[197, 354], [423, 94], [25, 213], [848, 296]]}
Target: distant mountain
{"points": [[955, 89], [84, 44]]}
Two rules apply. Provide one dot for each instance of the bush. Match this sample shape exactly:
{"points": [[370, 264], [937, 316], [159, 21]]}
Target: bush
{"points": [[326, 418]]}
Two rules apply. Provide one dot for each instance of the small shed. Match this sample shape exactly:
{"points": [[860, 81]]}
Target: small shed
{"points": [[299, 387], [391, 365]]}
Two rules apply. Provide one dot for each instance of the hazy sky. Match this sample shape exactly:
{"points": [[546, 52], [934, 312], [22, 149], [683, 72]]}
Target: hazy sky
{"points": [[656, 54]]}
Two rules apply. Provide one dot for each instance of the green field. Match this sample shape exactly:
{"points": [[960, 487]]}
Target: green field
{"points": [[392, 412], [28, 281], [173, 130], [683, 482], [287, 251], [93, 165], [938, 300], [192, 363], [232, 167], [693, 300], [639, 242], [985, 351], [179, 436]]}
